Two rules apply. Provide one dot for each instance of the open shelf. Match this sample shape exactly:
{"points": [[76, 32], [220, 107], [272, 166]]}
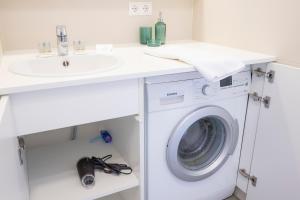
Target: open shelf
{"points": [[53, 175], [112, 197]]}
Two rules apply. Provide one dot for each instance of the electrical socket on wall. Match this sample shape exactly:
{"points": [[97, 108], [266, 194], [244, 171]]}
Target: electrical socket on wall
{"points": [[140, 8]]}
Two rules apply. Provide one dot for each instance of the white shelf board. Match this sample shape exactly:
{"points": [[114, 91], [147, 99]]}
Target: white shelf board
{"points": [[112, 197], [53, 174]]}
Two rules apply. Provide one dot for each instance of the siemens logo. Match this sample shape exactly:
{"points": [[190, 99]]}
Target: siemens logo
{"points": [[172, 94]]}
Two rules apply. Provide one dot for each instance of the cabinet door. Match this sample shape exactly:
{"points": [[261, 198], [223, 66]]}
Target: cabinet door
{"points": [[252, 116], [13, 182], [276, 158]]}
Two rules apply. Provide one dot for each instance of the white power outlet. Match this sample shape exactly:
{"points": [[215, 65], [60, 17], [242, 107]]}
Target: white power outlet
{"points": [[140, 8], [133, 9], [146, 8]]}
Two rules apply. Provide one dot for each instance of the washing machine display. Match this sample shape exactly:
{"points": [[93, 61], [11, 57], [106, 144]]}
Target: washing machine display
{"points": [[201, 143], [226, 82]]}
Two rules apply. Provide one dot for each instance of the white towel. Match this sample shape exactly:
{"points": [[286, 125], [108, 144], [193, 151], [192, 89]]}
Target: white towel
{"points": [[214, 65]]}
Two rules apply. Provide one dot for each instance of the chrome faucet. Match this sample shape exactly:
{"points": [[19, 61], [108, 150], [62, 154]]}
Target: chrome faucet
{"points": [[62, 40]]}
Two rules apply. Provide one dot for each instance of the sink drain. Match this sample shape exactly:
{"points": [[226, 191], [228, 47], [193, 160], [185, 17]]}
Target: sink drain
{"points": [[66, 63]]}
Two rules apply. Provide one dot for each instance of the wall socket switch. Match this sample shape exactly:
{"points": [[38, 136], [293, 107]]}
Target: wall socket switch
{"points": [[140, 8]]}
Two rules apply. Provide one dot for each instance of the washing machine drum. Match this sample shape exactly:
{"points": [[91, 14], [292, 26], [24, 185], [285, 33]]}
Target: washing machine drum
{"points": [[201, 143]]}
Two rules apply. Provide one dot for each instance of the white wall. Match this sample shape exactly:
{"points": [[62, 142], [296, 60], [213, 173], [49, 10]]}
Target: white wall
{"points": [[26, 23], [0, 52], [267, 26]]}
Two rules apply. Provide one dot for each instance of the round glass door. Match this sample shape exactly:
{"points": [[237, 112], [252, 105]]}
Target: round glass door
{"points": [[201, 143]]}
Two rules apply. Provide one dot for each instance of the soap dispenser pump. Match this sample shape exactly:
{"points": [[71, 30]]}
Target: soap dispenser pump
{"points": [[160, 30]]}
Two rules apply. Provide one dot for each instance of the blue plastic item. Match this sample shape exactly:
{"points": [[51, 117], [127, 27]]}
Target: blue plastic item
{"points": [[106, 136], [103, 136]]}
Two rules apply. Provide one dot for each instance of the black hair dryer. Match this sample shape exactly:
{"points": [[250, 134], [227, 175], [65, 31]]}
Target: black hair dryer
{"points": [[86, 171]]}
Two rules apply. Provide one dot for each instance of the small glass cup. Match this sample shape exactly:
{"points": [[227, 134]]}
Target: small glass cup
{"points": [[145, 34], [78, 45], [44, 47]]}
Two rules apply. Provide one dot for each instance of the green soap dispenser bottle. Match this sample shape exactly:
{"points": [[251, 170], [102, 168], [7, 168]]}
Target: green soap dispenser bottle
{"points": [[160, 30]]}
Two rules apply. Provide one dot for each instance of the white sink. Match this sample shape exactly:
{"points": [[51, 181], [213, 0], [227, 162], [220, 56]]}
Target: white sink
{"points": [[73, 65]]}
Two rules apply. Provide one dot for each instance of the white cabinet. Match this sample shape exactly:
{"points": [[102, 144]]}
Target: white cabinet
{"points": [[13, 184], [276, 155], [52, 168], [62, 107], [252, 118], [44, 119], [270, 152]]}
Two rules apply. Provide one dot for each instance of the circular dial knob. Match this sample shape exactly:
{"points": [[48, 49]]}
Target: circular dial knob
{"points": [[208, 90]]}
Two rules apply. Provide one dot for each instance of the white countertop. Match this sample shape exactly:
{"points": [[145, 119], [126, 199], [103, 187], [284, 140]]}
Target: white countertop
{"points": [[135, 64]]}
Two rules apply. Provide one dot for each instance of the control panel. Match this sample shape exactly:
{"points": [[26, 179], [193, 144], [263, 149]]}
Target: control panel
{"points": [[171, 92], [232, 85]]}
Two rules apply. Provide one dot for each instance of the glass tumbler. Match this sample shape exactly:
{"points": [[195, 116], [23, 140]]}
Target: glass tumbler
{"points": [[145, 34]]}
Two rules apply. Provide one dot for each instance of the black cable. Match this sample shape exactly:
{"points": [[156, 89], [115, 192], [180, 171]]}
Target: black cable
{"points": [[109, 168]]}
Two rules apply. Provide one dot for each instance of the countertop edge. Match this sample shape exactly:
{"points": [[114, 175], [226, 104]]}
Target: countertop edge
{"points": [[158, 68]]}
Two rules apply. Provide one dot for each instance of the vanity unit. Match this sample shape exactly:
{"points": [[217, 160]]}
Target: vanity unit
{"points": [[35, 166], [49, 171]]}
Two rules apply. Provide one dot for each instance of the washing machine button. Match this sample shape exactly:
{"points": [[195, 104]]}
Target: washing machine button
{"points": [[209, 90]]}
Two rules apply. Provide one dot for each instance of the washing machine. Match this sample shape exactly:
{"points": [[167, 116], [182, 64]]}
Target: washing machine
{"points": [[194, 130]]}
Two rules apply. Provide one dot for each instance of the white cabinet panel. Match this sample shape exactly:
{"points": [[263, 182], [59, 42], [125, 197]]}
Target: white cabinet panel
{"points": [[64, 107], [276, 158], [13, 184], [53, 175], [250, 127]]}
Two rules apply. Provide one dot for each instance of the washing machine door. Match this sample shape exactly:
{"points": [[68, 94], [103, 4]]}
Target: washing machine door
{"points": [[201, 143]]}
